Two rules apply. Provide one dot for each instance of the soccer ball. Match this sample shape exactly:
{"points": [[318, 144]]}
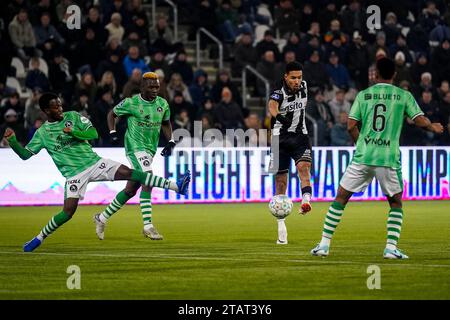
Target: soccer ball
{"points": [[280, 206]]}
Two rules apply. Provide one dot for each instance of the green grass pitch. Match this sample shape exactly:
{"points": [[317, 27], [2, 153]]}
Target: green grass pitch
{"points": [[226, 251]]}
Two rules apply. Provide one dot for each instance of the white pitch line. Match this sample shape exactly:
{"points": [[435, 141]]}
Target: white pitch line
{"points": [[181, 256]]}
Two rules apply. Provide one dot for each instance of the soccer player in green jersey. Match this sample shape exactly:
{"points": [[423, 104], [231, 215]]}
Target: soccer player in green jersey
{"points": [[146, 114], [64, 135], [379, 112]]}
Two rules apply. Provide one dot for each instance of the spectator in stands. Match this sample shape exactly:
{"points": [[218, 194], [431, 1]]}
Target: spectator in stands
{"points": [[307, 17], [286, 18], [112, 63], [440, 62], [158, 61], [244, 54], [401, 46], [401, 69], [22, 36], [133, 40], [162, 36], [115, 28], [335, 39], [315, 73], [11, 120], [298, 47], [176, 84], [380, 43], [206, 110], [13, 103], [228, 22], [134, 61], [358, 61], [94, 22], [227, 113], [268, 69], [204, 16], [417, 39], [268, 44], [338, 72], [256, 137], [178, 105], [163, 93], [425, 84], [428, 106], [223, 80], [108, 81], [339, 133], [420, 66], [103, 106], [313, 32], [353, 17], [289, 56], [133, 85], [181, 66], [321, 112], [444, 110], [430, 16], [60, 76], [443, 89], [46, 32], [43, 6], [87, 82], [89, 51], [117, 6], [82, 105], [391, 28], [182, 121], [327, 14], [139, 20], [339, 104], [32, 109], [199, 89], [35, 77]]}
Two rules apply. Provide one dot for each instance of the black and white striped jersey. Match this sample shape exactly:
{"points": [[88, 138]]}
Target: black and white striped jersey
{"points": [[293, 107]]}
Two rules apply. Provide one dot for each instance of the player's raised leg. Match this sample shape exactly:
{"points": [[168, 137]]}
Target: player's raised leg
{"points": [[70, 206], [332, 219], [304, 172]]}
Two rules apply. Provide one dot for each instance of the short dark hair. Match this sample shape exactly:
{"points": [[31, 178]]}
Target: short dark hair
{"points": [[386, 68], [44, 100], [293, 66]]}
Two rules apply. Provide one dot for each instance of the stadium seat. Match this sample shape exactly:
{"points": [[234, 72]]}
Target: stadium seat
{"points": [[43, 66], [20, 68]]}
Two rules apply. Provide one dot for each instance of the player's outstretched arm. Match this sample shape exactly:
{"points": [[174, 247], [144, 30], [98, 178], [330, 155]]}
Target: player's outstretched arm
{"points": [[23, 153], [89, 134], [425, 123]]}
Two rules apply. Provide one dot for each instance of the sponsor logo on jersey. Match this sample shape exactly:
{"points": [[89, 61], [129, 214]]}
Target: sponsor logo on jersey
{"points": [[84, 120], [74, 181], [149, 124], [292, 107], [377, 142], [73, 188], [147, 117], [159, 109], [68, 124], [367, 96], [146, 163], [275, 96]]}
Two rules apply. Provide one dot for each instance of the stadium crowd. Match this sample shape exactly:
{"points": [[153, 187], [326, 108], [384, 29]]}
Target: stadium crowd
{"points": [[93, 68]]}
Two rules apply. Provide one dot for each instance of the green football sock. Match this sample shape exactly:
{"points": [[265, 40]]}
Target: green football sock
{"points": [[57, 221], [114, 206], [146, 207], [394, 227], [332, 220], [151, 180]]}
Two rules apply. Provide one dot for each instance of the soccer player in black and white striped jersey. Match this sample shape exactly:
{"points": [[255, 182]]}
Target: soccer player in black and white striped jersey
{"points": [[287, 105]]}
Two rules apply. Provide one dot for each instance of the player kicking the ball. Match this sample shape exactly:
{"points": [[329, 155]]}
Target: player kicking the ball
{"points": [[379, 111], [146, 114], [64, 135], [290, 140]]}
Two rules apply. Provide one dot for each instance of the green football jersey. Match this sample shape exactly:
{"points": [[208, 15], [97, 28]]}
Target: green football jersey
{"points": [[144, 122], [381, 109], [70, 155]]}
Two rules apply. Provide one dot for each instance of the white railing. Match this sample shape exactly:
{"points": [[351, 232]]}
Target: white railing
{"points": [[212, 37]]}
